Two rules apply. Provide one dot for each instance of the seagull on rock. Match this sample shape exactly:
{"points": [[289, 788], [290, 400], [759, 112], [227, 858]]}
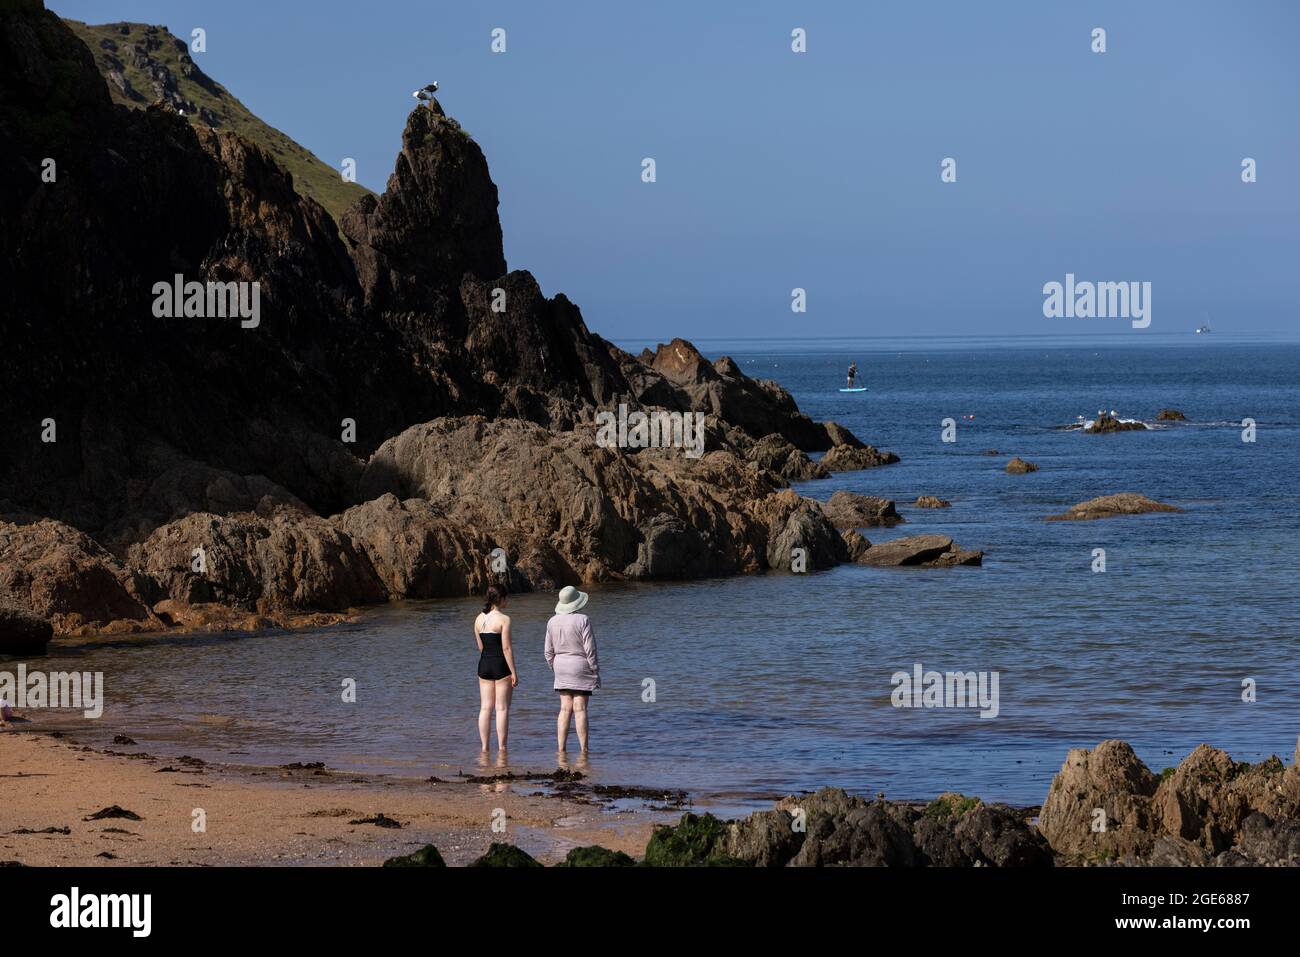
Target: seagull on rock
{"points": [[425, 93]]}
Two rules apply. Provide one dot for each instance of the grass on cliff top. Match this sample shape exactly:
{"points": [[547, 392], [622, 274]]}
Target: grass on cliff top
{"points": [[311, 176]]}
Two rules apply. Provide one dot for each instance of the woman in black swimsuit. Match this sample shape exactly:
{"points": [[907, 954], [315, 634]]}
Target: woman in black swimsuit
{"points": [[496, 668]]}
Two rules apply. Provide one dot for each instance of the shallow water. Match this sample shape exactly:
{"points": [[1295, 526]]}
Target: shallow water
{"points": [[771, 684]]}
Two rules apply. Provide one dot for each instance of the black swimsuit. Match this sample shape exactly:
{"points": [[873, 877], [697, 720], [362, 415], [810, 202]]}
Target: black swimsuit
{"points": [[492, 662]]}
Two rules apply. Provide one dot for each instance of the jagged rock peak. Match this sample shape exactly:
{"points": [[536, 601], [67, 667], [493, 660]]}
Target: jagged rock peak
{"points": [[436, 221]]}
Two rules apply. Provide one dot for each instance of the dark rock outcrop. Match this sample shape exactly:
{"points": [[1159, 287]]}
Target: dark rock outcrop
{"points": [[1019, 466], [1170, 415], [378, 341], [22, 633]]}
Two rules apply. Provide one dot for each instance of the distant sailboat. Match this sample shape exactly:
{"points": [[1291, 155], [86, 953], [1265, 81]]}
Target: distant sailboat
{"points": [[1205, 326]]}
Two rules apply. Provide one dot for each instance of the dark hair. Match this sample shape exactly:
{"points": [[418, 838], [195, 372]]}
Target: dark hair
{"points": [[493, 596]]}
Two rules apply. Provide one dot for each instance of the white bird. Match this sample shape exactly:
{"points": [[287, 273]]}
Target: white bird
{"points": [[426, 92], [1113, 413]]}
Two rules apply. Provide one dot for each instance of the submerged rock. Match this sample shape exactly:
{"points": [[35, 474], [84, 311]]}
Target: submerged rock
{"points": [[1170, 415], [1108, 506], [931, 501], [1019, 466]]}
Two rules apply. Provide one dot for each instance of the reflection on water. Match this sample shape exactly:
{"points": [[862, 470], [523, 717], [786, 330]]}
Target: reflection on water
{"points": [[777, 683]]}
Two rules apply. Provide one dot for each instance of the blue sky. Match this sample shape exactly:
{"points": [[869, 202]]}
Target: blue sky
{"points": [[821, 170]]}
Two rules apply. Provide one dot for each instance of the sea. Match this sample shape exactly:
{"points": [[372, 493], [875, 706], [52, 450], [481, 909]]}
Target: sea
{"points": [[738, 690]]}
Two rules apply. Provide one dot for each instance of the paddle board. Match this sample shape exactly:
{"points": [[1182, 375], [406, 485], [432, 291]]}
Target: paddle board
{"points": [[858, 389]]}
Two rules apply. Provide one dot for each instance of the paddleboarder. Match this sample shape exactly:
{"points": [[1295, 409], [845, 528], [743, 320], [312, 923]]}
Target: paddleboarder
{"points": [[853, 373]]}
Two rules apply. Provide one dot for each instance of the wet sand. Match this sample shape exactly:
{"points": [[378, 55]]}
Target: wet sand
{"points": [[272, 815]]}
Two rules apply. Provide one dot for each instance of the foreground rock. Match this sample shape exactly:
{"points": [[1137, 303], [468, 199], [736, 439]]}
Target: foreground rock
{"points": [[837, 829], [596, 856], [926, 550], [505, 855], [427, 856], [1209, 809], [1019, 466], [1108, 506]]}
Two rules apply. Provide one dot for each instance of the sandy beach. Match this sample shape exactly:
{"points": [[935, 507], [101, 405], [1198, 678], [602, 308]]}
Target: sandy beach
{"points": [[277, 816]]}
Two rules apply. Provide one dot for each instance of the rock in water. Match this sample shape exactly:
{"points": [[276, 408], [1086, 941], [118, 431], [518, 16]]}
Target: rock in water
{"points": [[1109, 423], [426, 856], [505, 855], [848, 458], [1019, 466], [931, 501], [1170, 415], [1108, 506], [929, 550], [851, 510]]}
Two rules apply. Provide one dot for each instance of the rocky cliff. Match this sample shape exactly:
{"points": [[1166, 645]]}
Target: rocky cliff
{"points": [[399, 381]]}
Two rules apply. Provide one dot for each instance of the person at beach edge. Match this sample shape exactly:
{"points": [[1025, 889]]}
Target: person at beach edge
{"points": [[571, 654], [497, 676]]}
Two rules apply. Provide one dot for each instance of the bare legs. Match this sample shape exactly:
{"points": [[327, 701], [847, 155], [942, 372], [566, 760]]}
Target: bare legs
{"points": [[504, 692], [571, 706], [494, 694], [485, 697]]}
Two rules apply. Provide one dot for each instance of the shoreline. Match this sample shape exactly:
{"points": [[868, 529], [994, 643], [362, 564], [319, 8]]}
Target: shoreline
{"points": [[305, 816]]}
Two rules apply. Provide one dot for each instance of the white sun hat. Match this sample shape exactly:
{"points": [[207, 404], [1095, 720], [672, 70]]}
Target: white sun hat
{"points": [[570, 600]]}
